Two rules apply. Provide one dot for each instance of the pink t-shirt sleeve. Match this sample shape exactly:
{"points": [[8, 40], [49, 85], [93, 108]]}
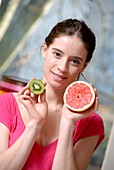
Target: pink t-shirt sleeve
{"points": [[10, 116], [90, 126], [5, 110]]}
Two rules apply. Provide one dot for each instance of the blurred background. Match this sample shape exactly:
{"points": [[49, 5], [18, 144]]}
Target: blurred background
{"points": [[24, 24]]}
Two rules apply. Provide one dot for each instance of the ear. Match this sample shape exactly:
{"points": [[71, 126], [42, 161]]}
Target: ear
{"points": [[44, 50], [85, 65]]}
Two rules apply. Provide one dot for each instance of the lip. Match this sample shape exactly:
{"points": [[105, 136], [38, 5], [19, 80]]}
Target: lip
{"points": [[59, 77]]}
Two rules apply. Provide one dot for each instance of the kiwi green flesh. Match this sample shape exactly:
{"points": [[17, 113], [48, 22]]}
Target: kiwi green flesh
{"points": [[36, 86]]}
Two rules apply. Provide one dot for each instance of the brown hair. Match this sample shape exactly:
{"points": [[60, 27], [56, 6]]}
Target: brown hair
{"points": [[72, 27]]}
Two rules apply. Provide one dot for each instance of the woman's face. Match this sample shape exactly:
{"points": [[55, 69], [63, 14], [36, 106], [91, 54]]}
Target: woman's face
{"points": [[64, 60]]}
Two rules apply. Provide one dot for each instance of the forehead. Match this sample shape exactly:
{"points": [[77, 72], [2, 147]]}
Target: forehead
{"points": [[70, 44]]}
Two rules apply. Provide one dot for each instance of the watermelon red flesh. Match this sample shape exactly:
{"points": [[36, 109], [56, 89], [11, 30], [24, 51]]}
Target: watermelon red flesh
{"points": [[78, 96]]}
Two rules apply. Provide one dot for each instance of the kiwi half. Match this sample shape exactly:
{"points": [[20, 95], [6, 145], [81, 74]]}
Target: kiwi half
{"points": [[36, 86]]}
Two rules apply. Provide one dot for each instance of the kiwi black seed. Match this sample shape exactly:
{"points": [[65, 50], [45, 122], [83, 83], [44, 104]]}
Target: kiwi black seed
{"points": [[36, 86]]}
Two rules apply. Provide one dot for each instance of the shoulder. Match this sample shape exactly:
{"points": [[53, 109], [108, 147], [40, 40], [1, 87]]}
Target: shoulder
{"points": [[7, 100], [90, 126], [6, 96], [7, 108], [92, 123], [93, 119]]}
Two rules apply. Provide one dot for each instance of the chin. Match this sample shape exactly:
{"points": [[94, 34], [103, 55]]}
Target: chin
{"points": [[58, 86]]}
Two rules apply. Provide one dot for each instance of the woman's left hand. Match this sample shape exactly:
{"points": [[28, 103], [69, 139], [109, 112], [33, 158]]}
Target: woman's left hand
{"points": [[74, 116]]}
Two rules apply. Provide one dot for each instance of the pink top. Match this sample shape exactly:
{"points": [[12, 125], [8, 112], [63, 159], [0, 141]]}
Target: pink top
{"points": [[41, 158]]}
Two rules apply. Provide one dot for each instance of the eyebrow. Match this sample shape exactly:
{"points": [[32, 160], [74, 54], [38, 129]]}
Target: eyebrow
{"points": [[58, 50], [63, 53]]}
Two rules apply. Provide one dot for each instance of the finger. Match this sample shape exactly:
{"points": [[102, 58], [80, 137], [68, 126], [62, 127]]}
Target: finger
{"points": [[22, 90], [35, 96], [96, 104], [25, 99], [25, 88], [96, 91], [43, 97], [92, 85], [27, 92]]}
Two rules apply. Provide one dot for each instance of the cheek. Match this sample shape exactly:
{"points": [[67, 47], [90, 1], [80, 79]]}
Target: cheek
{"points": [[75, 72], [50, 62], [45, 66], [76, 75]]}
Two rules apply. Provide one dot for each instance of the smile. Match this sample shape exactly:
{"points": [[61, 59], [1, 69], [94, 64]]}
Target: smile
{"points": [[58, 76]]}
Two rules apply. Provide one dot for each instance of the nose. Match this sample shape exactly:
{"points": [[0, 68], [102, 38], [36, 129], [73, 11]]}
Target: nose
{"points": [[63, 66]]}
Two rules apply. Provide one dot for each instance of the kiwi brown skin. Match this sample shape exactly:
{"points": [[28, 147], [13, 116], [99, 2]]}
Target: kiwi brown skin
{"points": [[36, 86]]}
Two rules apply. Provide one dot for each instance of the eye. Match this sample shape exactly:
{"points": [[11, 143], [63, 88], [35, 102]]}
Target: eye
{"points": [[75, 61], [56, 54]]}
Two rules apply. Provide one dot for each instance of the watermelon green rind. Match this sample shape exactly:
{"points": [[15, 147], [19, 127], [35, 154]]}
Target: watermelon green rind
{"points": [[79, 100]]}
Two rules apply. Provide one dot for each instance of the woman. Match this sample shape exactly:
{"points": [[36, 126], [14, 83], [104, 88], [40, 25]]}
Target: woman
{"points": [[39, 132]]}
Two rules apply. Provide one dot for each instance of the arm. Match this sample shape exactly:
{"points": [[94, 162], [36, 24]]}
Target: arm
{"points": [[68, 156], [64, 156], [16, 156], [84, 150]]}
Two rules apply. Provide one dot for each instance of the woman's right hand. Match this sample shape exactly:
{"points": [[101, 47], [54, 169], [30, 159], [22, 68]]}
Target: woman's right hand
{"points": [[36, 105]]}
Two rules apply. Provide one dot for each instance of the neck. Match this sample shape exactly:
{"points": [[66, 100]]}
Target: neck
{"points": [[54, 95]]}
